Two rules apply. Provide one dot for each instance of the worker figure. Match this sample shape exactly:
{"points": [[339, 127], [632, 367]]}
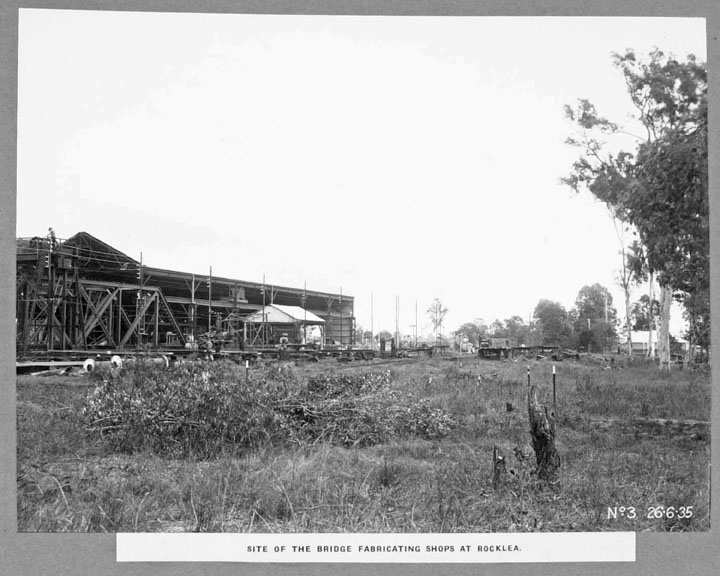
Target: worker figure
{"points": [[53, 240], [209, 346]]}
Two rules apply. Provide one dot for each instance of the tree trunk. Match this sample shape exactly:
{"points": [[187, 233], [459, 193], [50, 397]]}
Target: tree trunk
{"points": [[690, 348], [628, 322], [542, 430], [625, 280], [664, 328], [650, 316]]}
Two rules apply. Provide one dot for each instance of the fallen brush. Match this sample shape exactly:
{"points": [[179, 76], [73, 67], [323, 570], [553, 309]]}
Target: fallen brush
{"points": [[203, 411]]}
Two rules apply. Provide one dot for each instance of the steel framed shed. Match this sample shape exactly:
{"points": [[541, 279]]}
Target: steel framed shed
{"points": [[83, 294]]}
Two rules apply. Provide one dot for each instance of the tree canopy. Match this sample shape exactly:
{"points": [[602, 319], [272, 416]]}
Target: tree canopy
{"points": [[643, 311], [513, 328], [554, 323], [661, 187], [595, 303], [594, 318], [473, 331]]}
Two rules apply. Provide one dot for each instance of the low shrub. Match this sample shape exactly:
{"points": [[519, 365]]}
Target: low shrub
{"points": [[187, 409], [425, 421]]}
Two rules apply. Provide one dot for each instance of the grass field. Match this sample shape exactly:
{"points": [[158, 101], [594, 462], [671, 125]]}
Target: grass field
{"points": [[629, 436]]}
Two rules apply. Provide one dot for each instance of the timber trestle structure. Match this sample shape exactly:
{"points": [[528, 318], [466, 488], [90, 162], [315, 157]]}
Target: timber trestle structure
{"points": [[82, 294]]}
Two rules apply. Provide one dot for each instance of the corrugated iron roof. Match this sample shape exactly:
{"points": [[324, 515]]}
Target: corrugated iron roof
{"points": [[281, 314]]}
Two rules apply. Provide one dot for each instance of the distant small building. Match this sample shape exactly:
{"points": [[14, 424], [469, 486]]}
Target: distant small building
{"points": [[640, 344], [292, 322]]}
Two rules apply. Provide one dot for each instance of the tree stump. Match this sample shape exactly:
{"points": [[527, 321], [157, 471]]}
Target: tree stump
{"points": [[498, 468], [542, 430]]}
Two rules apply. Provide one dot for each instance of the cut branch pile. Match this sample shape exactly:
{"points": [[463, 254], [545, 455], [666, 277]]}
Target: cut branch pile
{"points": [[204, 410], [360, 410]]}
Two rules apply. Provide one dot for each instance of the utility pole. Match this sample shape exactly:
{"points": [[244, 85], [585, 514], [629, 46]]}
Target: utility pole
{"points": [[262, 324], [51, 292], [397, 321], [210, 301], [372, 327], [140, 302], [606, 306], [341, 319], [416, 324], [193, 310]]}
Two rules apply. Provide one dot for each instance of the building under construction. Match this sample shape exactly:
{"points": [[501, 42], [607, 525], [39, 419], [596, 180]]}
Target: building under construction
{"points": [[82, 294]]}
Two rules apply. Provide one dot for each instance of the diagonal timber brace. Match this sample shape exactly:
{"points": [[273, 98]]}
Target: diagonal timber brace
{"points": [[97, 311], [138, 318]]}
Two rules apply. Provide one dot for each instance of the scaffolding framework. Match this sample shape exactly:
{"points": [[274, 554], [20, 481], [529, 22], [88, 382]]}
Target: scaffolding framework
{"points": [[83, 294]]}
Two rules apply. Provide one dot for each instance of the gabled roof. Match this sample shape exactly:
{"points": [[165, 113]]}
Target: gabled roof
{"points": [[94, 247], [279, 314], [100, 260]]}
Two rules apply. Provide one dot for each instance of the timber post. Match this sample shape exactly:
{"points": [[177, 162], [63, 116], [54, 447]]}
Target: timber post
{"points": [[499, 469]]}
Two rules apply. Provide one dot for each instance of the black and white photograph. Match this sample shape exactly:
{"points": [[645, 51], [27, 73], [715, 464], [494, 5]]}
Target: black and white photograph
{"points": [[374, 288]]}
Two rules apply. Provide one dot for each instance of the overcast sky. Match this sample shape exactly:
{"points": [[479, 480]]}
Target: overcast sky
{"points": [[417, 157]]}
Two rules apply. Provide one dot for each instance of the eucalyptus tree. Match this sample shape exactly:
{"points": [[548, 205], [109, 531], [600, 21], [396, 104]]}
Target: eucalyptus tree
{"points": [[659, 190], [436, 313]]}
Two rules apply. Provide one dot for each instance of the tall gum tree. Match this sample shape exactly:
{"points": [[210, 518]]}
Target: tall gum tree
{"points": [[675, 217], [660, 188], [436, 313], [607, 177]]}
